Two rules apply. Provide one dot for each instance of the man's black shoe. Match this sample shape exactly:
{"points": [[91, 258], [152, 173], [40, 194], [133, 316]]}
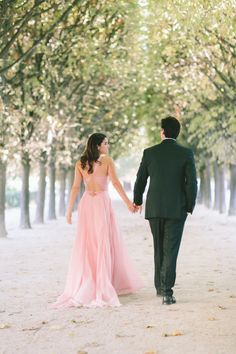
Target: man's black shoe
{"points": [[168, 300]]}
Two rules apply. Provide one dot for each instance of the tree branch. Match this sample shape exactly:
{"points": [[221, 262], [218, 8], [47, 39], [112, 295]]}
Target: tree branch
{"points": [[38, 41]]}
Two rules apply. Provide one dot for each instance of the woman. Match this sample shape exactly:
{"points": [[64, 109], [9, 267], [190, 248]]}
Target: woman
{"points": [[99, 269]]}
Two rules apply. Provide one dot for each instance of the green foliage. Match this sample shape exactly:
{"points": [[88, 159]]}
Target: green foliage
{"points": [[70, 68], [190, 56], [67, 74]]}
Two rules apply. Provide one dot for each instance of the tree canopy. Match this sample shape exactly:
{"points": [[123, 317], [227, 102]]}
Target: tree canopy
{"points": [[69, 68]]}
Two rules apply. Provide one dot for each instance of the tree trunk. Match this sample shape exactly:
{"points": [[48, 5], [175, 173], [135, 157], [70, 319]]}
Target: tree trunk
{"points": [[39, 218], [201, 189], [52, 183], [25, 216], [222, 201], [207, 187], [52, 194], [3, 166], [70, 181], [219, 176], [62, 206], [232, 203], [217, 187]]}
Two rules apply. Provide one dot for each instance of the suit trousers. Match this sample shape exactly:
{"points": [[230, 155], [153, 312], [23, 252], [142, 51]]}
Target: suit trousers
{"points": [[167, 234]]}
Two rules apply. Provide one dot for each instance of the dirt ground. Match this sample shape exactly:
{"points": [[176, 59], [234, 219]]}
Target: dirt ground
{"points": [[33, 266]]}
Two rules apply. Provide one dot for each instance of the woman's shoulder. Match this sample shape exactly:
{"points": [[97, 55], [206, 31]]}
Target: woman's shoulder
{"points": [[106, 159], [78, 165]]}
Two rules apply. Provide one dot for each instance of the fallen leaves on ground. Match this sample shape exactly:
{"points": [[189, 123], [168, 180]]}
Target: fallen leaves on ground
{"points": [[222, 307], [31, 329], [93, 345], [34, 328], [232, 296], [173, 334], [211, 289], [14, 313], [4, 325], [81, 322], [211, 318], [120, 335], [173, 309], [82, 352], [153, 352], [150, 326]]}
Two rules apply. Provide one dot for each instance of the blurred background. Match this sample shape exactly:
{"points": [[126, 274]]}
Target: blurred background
{"points": [[71, 68]]}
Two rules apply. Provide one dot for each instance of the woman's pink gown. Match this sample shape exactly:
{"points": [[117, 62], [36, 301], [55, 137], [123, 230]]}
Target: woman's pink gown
{"points": [[99, 268]]}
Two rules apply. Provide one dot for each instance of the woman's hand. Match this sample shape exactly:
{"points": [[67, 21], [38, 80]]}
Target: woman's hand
{"points": [[69, 217], [130, 206]]}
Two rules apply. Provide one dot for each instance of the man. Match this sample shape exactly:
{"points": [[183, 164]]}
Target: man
{"points": [[171, 195]]}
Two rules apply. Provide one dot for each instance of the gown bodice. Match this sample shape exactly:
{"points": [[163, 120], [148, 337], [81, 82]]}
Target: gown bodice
{"points": [[97, 181]]}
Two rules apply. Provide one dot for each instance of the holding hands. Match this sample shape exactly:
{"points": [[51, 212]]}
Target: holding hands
{"points": [[133, 208], [138, 208]]}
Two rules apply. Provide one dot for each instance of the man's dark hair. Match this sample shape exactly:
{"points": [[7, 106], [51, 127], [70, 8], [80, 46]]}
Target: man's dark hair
{"points": [[171, 127]]}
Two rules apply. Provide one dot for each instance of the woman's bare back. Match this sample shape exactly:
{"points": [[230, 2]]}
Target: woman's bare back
{"points": [[96, 181]]}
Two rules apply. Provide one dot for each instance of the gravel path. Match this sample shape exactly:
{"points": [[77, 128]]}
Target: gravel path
{"points": [[33, 266]]}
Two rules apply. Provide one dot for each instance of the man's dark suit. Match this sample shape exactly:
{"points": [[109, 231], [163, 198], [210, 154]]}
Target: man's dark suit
{"points": [[171, 195]]}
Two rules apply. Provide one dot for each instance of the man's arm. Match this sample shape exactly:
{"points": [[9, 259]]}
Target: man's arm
{"points": [[141, 181], [190, 182]]}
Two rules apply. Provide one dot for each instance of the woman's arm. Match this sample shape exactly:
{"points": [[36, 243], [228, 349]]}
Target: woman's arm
{"points": [[118, 186], [74, 191]]}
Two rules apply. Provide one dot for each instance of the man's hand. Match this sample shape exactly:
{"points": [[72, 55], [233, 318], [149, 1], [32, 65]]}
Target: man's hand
{"points": [[138, 208]]}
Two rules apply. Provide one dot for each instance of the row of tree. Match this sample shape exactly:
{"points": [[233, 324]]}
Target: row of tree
{"points": [[65, 72], [191, 56], [69, 68]]}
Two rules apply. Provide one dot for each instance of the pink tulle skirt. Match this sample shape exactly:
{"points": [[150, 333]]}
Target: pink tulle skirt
{"points": [[99, 268]]}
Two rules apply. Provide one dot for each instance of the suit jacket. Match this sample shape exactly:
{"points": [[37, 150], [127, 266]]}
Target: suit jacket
{"points": [[173, 183]]}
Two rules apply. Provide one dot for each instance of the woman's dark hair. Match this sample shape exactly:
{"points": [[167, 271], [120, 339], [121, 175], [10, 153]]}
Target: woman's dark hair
{"points": [[171, 127], [91, 153]]}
